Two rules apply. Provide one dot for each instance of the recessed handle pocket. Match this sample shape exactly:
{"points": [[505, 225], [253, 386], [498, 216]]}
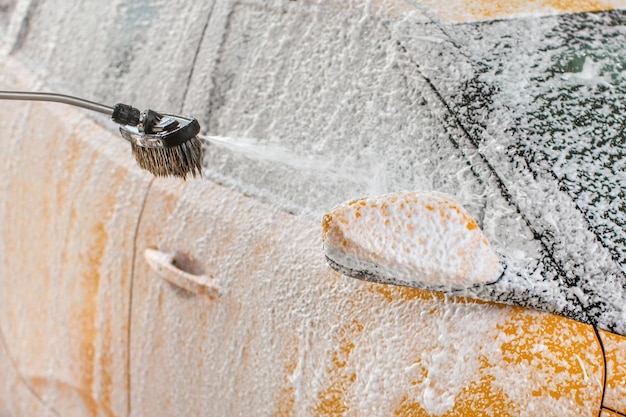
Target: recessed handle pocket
{"points": [[163, 264]]}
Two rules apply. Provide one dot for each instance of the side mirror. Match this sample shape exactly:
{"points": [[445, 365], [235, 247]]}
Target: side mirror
{"points": [[416, 239]]}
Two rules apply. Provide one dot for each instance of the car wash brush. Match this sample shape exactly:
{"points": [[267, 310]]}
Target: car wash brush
{"points": [[163, 144]]}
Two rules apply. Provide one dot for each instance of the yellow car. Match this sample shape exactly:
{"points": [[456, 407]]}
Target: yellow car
{"points": [[493, 286]]}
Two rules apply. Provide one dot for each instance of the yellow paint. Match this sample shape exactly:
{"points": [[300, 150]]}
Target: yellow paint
{"points": [[615, 355], [332, 400], [384, 209], [395, 292], [87, 314], [480, 398], [326, 221], [88, 311], [456, 11], [609, 413], [556, 354], [286, 400], [446, 207], [535, 342], [495, 9]]}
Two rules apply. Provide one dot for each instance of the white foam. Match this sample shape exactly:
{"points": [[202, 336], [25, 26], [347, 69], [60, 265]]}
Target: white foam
{"points": [[423, 240]]}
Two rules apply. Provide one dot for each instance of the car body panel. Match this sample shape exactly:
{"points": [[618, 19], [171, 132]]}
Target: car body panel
{"points": [[355, 104]]}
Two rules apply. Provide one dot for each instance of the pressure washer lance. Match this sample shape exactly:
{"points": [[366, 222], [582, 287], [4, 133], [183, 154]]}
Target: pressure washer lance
{"points": [[164, 144]]}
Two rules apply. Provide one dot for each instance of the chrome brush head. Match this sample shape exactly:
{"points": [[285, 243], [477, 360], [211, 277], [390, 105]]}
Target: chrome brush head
{"points": [[164, 144]]}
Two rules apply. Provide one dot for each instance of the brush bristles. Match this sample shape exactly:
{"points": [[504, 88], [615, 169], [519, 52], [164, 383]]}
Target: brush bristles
{"points": [[179, 161]]}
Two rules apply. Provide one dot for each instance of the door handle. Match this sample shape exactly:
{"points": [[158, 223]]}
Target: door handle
{"points": [[164, 265]]}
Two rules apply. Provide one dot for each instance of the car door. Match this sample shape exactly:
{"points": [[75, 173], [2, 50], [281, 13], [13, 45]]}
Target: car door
{"points": [[71, 200], [234, 311]]}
